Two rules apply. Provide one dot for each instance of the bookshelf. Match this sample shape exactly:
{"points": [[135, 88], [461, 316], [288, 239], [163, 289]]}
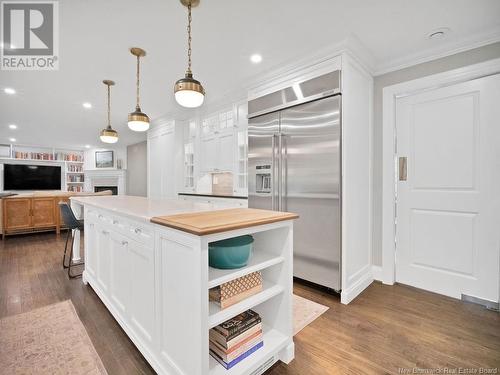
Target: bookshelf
{"points": [[272, 256], [70, 160]]}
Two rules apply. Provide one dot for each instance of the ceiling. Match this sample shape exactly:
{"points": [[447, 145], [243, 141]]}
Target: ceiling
{"points": [[95, 36]]}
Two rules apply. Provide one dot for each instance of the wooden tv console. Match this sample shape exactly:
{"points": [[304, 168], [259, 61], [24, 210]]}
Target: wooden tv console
{"points": [[35, 212]]}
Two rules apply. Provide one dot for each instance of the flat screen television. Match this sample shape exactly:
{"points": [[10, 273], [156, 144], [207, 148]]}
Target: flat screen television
{"points": [[31, 177]]}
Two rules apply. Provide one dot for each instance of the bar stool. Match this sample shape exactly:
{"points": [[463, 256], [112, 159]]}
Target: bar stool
{"points": [[71, 223]]}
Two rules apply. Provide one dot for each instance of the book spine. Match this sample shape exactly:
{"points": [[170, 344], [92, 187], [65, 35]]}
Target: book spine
{"points": [[245, 355], [237, 329], [228, 357], [221, 340]]}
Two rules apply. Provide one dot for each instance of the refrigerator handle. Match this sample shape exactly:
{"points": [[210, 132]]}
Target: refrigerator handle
{"points": [[283, 172], [273, 170]]}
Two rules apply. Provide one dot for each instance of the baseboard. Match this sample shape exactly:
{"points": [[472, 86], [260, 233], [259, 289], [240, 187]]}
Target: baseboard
{"points": [[377, 273], [347, 295]]}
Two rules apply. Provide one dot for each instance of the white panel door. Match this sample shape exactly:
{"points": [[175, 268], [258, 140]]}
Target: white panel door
{"points": [[448, 209]]}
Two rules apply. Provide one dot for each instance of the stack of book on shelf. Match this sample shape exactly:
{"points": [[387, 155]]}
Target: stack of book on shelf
{"points": [[236, 338], [236, 290]]}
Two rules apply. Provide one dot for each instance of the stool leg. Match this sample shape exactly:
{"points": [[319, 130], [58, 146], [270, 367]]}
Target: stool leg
{"points": [[70, 275], [66, 250]]}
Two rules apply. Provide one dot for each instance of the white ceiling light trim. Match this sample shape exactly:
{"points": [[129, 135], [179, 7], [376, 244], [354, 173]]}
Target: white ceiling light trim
{"points": [[9, 91], [13, 126], [87, 105]]}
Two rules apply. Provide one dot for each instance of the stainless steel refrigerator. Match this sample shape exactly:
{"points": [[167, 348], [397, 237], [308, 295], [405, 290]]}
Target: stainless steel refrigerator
{"points": [[294, 151]]}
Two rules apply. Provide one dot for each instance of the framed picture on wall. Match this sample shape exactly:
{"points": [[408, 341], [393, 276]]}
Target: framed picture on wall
{"points": [[104, 159]]}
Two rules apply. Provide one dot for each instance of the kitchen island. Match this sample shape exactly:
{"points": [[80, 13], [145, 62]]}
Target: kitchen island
{"points": [[147, 260]]}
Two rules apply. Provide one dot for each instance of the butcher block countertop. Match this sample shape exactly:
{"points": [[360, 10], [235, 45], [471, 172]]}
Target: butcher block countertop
{"points": [[209, 222]]}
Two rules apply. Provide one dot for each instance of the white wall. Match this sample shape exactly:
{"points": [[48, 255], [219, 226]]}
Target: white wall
{"points": [[120, 152], [458, 60], [137, 169]]}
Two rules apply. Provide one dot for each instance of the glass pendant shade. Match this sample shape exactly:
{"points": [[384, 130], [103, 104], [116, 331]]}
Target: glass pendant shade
{"points": [[109, 135], [138, 121], [189, 92]]}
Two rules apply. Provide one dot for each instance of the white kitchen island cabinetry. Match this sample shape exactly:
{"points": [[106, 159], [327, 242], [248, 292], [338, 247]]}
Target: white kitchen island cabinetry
{"points": [[154, 278]]}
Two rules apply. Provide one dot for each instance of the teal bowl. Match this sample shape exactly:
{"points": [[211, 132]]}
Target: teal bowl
{"points": [[231, 253]]}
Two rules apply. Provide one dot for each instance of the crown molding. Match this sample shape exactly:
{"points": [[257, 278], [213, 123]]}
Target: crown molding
{"points": [[476, 41]]}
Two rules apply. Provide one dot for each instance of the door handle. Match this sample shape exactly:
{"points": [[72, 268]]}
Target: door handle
{"points": [[403, 168]]}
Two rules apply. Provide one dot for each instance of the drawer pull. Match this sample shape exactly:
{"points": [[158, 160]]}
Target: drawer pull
{"points": [[115, 221], [124, 243], [105, 232], [137, 231], [100, 216]]}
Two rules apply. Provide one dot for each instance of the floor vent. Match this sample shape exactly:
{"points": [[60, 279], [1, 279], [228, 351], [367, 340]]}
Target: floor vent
{"points": [[263, 367], [490, 305]]}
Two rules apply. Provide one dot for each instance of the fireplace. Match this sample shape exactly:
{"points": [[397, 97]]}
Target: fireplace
{"points": [[107, 179], [114, 189]]}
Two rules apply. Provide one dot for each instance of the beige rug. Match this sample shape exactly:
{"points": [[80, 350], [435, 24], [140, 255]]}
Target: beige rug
{"points": [[48, 340], [305, 312]]}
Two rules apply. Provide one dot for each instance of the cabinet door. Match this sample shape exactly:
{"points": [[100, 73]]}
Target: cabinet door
{"points": [[91, 248], [119, 285], [17, 213], [209, 153], [44, 212], [103, 258], [225, 152], [142, 298]]}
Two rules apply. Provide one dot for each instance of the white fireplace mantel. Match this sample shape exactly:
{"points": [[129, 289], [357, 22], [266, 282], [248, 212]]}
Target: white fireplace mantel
{"points": [[106, 177]]}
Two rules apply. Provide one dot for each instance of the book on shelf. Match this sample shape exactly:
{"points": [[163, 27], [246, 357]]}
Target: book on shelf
{"points": [[229, 354], [230, 343], [238, 324], [235, 339], [237, 360], [234, 291]]}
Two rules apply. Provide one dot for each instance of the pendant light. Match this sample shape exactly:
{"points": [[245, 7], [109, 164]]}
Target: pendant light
{"points": [[109, 135], [137, 120], [188, 91]]}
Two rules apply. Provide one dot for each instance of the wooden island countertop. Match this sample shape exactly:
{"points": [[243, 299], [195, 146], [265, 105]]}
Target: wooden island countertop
{"points": [[209, 222]]}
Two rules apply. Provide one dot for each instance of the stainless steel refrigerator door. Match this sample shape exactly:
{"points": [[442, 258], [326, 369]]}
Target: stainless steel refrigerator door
{"points": [[311, 180], [263, 161]]}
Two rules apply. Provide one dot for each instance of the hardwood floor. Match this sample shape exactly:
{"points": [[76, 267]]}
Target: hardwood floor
{"points": [[383, 330]]}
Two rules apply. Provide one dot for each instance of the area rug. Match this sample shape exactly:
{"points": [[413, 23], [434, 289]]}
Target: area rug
{"points": [[305, 312], [48, 340]]}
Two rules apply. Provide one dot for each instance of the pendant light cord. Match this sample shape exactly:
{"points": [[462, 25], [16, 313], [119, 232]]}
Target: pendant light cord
{"points": [[189, 37], [109, 107], [137, 107]]}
